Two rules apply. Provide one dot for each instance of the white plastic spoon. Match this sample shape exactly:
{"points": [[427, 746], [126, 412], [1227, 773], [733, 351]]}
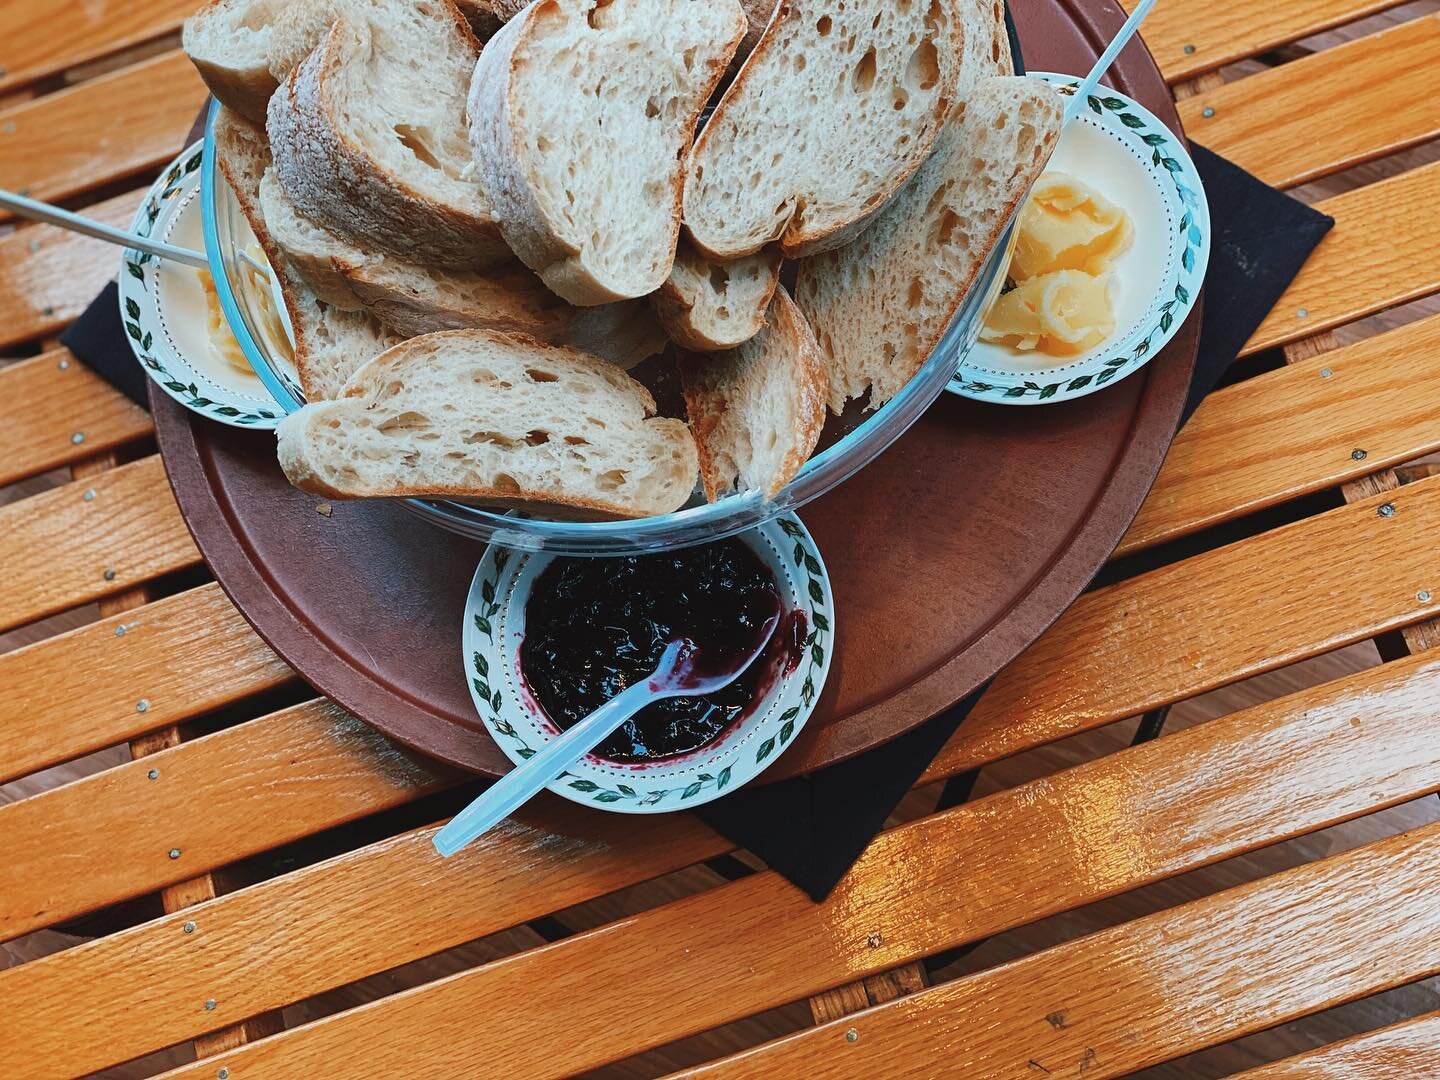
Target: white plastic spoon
{"points": [[53, 215], [1090, 82], [681, 672]]}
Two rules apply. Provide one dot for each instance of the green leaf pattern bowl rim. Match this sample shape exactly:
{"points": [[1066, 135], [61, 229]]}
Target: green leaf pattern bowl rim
{"points": [[490, 643], [1176, 180], [145, 328]]}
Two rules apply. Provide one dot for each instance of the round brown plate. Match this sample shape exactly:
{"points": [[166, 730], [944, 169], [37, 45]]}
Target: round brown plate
{"points": [[948, 555]]}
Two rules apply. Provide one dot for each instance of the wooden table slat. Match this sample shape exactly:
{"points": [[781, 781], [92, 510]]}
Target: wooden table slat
{"points": [[1226, 614], [60, 549], [48, 275], [1282, 768], [100, 131], [180, 657], [1190, 37], [49, 399], [1380, 254], [1154, 989], [1295, 430], [1379, 95], [42, 39], [1407, 1049], [217, 799]]}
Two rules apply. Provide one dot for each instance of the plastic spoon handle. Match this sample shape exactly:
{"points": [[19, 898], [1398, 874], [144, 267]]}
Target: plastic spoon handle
{"points": [[1102, 65], [526, 780], [53, 215]]}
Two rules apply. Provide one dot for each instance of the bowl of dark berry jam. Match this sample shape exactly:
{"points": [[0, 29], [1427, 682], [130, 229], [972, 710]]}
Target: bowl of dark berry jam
{"points": [[548, 639]]}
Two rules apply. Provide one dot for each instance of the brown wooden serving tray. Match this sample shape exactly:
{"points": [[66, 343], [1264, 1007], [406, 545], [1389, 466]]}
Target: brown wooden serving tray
{"points": [[949, 554]]}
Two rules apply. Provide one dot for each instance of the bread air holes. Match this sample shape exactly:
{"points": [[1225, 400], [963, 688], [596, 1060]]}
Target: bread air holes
{"points": [[864, 77], [540, 375], [822, 26], [922, 70], [596, 15], [612, 480], [494, 438], [413, 140], [505, 484], [688, 57], [403, 423]]}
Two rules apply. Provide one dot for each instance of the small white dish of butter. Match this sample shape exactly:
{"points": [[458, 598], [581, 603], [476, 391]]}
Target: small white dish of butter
{"points": [[1109, 256], [172, 315]]}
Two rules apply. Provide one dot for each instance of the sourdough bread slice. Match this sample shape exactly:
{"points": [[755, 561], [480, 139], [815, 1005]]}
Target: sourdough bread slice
{"points": [[329, 343], [312, 251], [368, 136], [756, 411], [581, 113], [492, 418], [880, 306], [707, 305], [836, 108], [243, 48]]}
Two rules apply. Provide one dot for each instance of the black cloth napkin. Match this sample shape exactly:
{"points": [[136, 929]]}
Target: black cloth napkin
{"points": [[812, 829]]}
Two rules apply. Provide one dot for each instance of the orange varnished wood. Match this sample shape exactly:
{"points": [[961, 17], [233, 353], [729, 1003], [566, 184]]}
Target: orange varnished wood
{"points": [[181, 656], [1379, 254], [1379, 96], [1186, 628], [41, 39], [215, 800], [1282, 768], [100, 131], [58, 547], [1154, 989], [49, 275], [48, 400], [1407, 1049], [1295, 430], [1188, 37]]}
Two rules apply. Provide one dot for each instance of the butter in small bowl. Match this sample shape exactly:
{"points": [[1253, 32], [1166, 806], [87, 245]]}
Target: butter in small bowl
{"points": [[1062, 302]]}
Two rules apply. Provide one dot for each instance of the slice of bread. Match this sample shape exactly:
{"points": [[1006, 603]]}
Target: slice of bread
{"points": [[708, 305], [497, 419], [368, 136], [838, 105], [311, 250], [243, 48], [581, 113], [756, 411], [880, 306], [329, 343]]}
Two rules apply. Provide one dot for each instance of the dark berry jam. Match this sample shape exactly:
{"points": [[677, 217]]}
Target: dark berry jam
{"points": [[595, 626]]}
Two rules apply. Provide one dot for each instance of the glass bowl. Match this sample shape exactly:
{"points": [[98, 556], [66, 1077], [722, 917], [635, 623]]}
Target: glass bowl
{"points": [[248, 307]]}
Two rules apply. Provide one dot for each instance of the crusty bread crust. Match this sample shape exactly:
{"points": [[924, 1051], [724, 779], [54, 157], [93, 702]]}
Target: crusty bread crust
{"points": [[242, 82], [798, 234], [389, 369], [687, 306], [340, 185], [734, 409], [506, 172]]}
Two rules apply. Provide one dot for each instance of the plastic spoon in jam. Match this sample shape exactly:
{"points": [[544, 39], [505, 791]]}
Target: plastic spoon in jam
{"points": [[684, 670]]}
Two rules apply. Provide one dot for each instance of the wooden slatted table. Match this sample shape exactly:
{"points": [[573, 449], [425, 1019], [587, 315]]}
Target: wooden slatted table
{"points": [[204, 869]]}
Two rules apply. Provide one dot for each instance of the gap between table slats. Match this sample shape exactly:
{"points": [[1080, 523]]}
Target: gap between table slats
{"points": [[1150, 990], [101, 131], [1324, 582], [1278, 770], [1407, 1049], [1340, 107]]}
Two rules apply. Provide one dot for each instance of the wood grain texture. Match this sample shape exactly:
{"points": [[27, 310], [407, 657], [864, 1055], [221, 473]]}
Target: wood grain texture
{"points": [[101, 131], [58, 547], [217, 799], [1186, 628], [1154, 989], [1379, 254], [49, 275], [366, 911], [46, 401], [1295, 430], [1189, 37], [41, 39], [181, 656], [1379, 96], [1408, 1049], [1283, 768]]}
